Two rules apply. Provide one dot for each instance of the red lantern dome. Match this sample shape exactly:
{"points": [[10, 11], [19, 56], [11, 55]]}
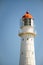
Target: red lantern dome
{"points": [[27, 15]]}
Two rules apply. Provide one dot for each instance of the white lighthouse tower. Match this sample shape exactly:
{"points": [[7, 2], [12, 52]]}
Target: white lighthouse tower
{"points": [[27, 34]]}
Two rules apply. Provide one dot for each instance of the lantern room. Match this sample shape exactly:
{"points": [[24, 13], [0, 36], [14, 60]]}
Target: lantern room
{"points": [[27, 20]]}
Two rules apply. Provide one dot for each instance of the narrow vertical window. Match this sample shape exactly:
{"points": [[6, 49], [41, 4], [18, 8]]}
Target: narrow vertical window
{"points": [[22, 39], [29, 21], [27, 38], [25, 21], [22, 53]]}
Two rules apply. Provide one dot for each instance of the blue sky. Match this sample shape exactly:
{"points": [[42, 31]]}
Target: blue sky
{"points": [[11, 12]]}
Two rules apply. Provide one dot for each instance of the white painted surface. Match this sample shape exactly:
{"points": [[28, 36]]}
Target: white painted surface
{"points": [[27, 52], [27, 47]]}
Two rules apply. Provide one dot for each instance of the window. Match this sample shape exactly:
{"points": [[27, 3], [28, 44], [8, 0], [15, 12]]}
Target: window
{"points": [[25, 22], [22, 39], [29, 21], [22, 53], [27, 38]]}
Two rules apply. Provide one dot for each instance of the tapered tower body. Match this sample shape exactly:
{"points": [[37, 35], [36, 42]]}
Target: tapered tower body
{"points": [[27, 34]]}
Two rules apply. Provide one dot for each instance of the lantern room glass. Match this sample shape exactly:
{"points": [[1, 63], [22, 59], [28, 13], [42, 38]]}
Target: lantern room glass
{"points": [[25, 22]]}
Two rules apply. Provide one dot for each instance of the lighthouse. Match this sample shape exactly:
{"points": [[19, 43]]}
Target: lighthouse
{"points": [[27, 34]]}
